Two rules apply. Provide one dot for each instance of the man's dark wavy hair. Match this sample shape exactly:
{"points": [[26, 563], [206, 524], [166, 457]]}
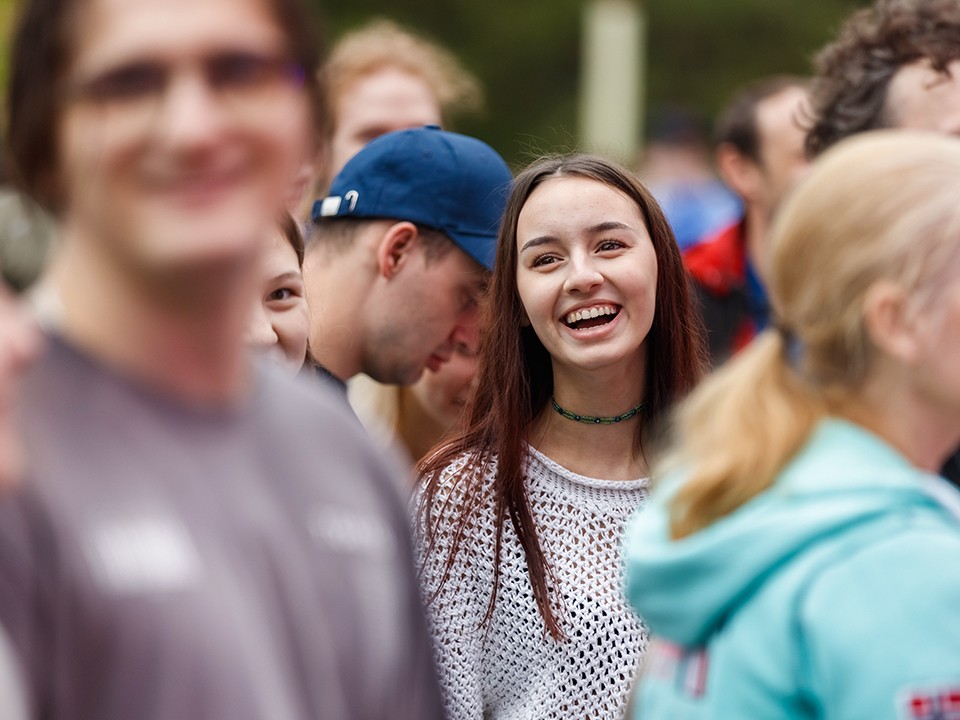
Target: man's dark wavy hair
{"points": [[853, 72]]}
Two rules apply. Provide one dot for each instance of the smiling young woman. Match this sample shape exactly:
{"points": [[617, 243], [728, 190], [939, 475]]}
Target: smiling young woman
{"points": [[589, 338]]}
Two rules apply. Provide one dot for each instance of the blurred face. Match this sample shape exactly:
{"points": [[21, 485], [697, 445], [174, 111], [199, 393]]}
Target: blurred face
{"points": [[429, 307], [586, 274], [920, 98], [184, 123], [783, 161], [443, 393], [380, 102], [280, 321]]}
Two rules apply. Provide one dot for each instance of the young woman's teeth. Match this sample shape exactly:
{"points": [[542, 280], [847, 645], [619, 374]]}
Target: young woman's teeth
{"points": [[589, 314]]}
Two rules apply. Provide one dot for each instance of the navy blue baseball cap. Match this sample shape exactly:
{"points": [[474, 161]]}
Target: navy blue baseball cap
{"points": [[443, 180]]}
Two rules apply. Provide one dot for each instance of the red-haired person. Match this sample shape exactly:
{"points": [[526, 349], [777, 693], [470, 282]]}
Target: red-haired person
{"points": [[590, 338]]}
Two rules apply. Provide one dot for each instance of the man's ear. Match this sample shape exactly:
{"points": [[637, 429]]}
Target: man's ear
{"points": [[889, 322], [739, 172], [396, 248]]}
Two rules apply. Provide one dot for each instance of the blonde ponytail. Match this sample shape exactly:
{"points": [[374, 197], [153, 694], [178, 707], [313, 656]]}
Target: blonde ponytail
{"points": [[879, 207], [741, 426]]}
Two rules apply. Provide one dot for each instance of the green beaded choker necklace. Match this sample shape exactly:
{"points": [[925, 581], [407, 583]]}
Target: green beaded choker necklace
{"points": [[592, 420]]}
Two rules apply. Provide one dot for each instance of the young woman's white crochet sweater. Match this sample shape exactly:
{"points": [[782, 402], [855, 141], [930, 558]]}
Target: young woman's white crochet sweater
{"points": [[513, 669]]}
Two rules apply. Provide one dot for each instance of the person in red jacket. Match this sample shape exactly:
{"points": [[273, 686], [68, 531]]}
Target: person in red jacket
{"points": [[760, 156]]}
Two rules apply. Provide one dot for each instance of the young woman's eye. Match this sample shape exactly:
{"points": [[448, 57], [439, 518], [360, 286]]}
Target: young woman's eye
{"points": [[542, 260], [608, 245]]}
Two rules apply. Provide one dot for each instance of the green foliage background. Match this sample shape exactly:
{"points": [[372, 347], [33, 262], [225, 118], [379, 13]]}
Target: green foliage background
{"points": [[527, 54]]}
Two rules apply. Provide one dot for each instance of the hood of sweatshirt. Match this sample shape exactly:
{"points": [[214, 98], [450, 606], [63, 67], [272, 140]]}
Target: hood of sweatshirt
{"points": [[844, 476]]}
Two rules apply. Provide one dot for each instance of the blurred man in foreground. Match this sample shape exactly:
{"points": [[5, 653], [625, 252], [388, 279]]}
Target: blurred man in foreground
{"points": [[200, 537]]}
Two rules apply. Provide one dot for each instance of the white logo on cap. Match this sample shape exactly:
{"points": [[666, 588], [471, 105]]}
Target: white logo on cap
{"points": [[330, 206]]}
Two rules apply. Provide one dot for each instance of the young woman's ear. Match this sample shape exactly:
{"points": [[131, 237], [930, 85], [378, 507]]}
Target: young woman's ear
{"points": [[741, 173], [396, 247]]}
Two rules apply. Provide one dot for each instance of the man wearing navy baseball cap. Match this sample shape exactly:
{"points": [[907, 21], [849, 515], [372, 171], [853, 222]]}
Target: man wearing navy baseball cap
{"points": [[400, 252]]}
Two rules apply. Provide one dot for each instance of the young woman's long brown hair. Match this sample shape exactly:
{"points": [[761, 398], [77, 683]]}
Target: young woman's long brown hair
{"points": [[515, 378]]}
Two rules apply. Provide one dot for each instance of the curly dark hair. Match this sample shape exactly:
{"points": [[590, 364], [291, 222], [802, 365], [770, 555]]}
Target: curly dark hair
{"points": [[853, 72]]}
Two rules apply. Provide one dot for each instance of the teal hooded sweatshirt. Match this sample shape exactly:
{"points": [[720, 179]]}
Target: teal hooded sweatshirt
{"points": [[834, 594]]}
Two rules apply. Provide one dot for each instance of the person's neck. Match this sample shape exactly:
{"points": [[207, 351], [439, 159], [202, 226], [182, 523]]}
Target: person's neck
{"points": [[757, 229], [181, 336], [924, 431], [596, 450], [335, 340]]}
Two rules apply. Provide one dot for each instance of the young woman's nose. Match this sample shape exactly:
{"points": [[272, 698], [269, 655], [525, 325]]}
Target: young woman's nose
{"points": [[582, 275]]}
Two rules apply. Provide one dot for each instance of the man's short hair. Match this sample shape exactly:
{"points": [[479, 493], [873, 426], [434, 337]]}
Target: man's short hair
{"points": [[337, 235], [382, 43], [853, 72], [737, 124]]}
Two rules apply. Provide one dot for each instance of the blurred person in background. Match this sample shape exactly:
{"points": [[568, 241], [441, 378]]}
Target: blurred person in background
{"points": [[20, 342], [400, 253], [26, 234], [590, 336], [810, 459], [19, 345], [676, 167], [759, 153], [185, 545], [27, 240], [381, 77], [893, 65], [280, 321]]}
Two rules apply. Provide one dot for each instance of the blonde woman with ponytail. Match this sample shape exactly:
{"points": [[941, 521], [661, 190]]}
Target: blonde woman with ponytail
{"points": [[799, 558]]}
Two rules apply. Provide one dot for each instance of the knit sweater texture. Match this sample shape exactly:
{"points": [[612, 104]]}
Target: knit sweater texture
{"points": [[513, 669]]}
